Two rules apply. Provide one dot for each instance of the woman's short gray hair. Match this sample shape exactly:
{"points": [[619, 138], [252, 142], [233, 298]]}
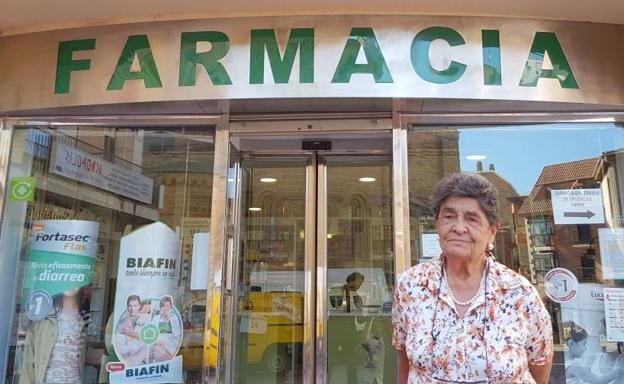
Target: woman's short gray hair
{"points": [[467, 185]]}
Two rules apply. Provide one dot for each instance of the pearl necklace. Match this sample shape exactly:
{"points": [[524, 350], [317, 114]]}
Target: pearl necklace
{"points": [[471, 300]]}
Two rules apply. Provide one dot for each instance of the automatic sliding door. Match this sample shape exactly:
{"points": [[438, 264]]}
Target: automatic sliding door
{"points": [[314, 271], [357, 250], [269, 328]]}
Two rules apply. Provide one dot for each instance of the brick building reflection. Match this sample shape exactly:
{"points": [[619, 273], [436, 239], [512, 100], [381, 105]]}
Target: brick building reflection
{"points": [[544, 245]]}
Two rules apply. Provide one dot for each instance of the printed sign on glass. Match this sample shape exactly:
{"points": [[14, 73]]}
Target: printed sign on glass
{"points": [[61, 258], [147, 324], [577, 206], [560, 284], [614, 313], [611, 241], [78, 165]]}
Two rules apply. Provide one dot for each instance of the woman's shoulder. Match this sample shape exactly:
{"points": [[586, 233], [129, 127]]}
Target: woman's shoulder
{"points": [[45, 325], [508, 279], [421, 274]]}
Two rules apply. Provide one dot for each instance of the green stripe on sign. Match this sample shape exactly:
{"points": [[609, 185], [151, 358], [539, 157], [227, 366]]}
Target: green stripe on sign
{"points": [[56, 272]]}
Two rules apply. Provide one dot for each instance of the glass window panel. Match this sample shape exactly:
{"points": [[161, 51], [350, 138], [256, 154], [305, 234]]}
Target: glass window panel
{"points": [[109, 245], [560, 202]]}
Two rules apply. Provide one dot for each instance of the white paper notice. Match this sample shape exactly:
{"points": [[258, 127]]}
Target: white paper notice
{"points": [[430, 245], [577, 206], [614, 313], [199, 263], [611, 242]]}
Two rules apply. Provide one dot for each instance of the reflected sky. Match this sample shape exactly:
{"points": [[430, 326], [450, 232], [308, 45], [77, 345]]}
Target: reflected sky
{"points": [[519, 153]]}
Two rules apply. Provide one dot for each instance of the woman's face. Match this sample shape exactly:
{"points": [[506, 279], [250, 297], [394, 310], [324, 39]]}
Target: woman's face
{"points": [[463, 228], [577, 348]]}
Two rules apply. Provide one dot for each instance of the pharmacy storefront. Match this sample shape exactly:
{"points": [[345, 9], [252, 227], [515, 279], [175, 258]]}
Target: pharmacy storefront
{"points": [[233, 200]]}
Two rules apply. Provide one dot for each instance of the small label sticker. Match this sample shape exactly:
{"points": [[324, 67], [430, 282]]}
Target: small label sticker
{"points": [[561, 285], [22, 188], [115, 367], [39, 305]]}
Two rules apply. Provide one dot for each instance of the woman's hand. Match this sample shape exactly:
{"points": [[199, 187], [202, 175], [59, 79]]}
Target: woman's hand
{"points": [[541, 372], [403, 367]]}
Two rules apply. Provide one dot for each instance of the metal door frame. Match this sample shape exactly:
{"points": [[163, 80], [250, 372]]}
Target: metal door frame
{"points": [[321, 272], [233, 261]]}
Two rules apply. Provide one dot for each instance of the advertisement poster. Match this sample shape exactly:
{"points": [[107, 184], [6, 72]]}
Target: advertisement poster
{"points": [[147, 327], [614, 313], [589, 358], [61, 260], [611, 242]]}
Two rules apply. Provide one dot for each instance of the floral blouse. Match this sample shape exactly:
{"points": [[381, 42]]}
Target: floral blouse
{"points": [[493, 342]]}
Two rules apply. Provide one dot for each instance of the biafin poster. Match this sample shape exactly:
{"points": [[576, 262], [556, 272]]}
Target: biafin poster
{"points": [[147, 326]]}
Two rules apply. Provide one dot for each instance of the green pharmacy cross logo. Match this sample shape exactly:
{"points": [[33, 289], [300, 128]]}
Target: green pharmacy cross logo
{"points": [[149, 334], [22, 188]]}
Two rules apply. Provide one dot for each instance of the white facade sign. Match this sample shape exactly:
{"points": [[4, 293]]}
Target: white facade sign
{"points": [[75, 164], [577, 206], [315, 57], [611, 241], [614, 313]]}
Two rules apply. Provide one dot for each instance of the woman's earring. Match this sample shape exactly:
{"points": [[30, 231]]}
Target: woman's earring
{"points": [[490, 247]]}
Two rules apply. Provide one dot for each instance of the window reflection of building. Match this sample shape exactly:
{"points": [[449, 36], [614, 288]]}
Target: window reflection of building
{"points": [[612, 182], [504, 247], [543, 252], [550, 245], [431, 155]]}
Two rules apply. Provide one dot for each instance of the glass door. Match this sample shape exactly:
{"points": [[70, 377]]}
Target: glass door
{"points": [[314, 269], [356, 260], [269, 321]]}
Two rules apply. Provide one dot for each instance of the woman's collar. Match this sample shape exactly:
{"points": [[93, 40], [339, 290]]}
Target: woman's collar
{"points": [[432, 273], [500, 278]]}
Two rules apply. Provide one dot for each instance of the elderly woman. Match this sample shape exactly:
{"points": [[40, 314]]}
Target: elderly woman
{"points": [[462, 317]]}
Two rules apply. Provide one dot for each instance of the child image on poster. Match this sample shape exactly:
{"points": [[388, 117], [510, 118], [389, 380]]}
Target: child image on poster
{"points": [[128, 346], [170, 331], [55, 345], [579, 367]]}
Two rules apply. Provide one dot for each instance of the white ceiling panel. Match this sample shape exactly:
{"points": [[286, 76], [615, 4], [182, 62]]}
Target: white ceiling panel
{"points": [[24, 16]]}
